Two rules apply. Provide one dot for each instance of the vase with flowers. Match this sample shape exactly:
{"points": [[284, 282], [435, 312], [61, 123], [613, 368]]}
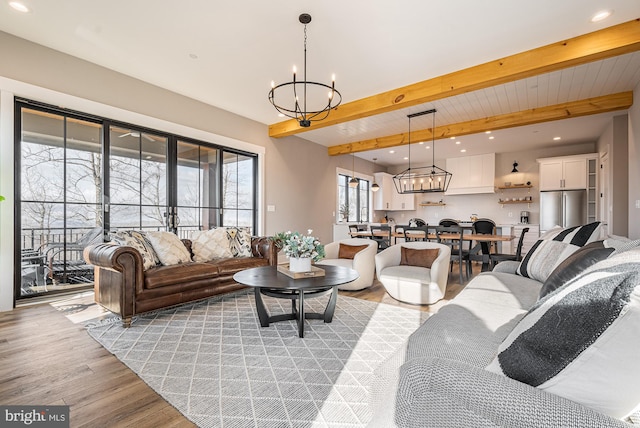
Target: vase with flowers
{"points": [[301, 249]]}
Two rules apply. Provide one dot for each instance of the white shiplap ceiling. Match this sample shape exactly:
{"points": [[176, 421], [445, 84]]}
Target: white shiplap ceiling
{"points": [[226, 54]]}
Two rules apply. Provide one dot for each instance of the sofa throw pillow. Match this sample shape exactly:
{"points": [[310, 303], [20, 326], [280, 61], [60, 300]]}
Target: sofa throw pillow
{"points": [[580, 342], [239, 241], [546, 254], [349, 251], [210, 244], [418, 257], [574, 265], [169, 248], [137, 240]]}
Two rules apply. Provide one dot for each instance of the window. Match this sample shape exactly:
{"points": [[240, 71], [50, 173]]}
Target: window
{"points": [[354, 199], [70, 162]]}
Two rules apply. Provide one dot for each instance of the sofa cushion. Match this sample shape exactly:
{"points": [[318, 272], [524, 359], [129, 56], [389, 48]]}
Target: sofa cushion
{"points": [[210, 244], [574, 265], [239, 241], [163, 276], [349, 251], [580, 342], [137, 240], [169, 248], [418, 257], [232, 265], [549, 252]]}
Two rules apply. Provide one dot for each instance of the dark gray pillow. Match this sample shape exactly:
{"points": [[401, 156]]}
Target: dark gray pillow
{"points": [[574, 265]]}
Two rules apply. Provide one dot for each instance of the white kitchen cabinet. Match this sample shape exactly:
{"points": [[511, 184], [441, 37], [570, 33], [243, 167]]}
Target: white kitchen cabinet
{"points": [[472, 174], [564, 173], [388, 198]]}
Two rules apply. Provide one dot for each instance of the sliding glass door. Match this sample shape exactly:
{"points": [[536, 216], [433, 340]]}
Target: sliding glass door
{"points": [[59, 201], [83, 177], [138, 191]]}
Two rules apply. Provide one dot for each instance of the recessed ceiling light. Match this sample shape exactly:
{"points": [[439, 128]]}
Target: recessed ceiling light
{"points": [[392, 151], [405, 158], [463, 151], [421, 142], [487, 132], [428, 147], [457, 142], [601, 15], [556, 138], [492, 137], [20, 7], [453, 138]]}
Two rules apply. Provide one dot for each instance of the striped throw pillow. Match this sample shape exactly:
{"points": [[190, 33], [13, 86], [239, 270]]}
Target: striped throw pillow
{"points": [[547, 253], [581, 341]]}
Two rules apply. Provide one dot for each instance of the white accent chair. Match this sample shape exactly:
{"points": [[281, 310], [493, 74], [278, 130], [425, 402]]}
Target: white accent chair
{"points": [[414, 284], [363, 262]]}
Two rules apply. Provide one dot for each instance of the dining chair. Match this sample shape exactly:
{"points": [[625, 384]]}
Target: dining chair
{"points": [[448, 222], [417, 222], [353, 230], [399, 229], [382, 235], [484, 226], [418, 233], [503, 257], [457, 247]]}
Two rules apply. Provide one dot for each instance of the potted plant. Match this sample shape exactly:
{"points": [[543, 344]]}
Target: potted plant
{"points": [[301, 249]]}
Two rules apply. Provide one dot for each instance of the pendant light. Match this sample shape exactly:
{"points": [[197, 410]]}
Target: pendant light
{"points": [[515, 166], [374, 186], [426, 179], [292, 99], [354, 181]]}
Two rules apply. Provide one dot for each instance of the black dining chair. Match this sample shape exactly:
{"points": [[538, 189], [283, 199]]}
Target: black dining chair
{"points": [[418, 233], [457, 247], [448, 222], [417, 222], [382, 235], [503, 257], [484, 226]]}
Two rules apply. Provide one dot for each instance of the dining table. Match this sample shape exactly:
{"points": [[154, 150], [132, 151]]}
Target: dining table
{"points": [[475, 249]]}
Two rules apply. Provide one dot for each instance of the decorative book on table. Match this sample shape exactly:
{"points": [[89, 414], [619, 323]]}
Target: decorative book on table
{"points": [[314, 272]]}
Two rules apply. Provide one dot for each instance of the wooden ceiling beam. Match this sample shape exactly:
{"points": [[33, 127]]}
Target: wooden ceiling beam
{"points": [[620, 101], [608, 42]]}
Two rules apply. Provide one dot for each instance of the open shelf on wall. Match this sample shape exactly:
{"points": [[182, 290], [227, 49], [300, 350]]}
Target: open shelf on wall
{"points": [[516, 186], [432, 204]]}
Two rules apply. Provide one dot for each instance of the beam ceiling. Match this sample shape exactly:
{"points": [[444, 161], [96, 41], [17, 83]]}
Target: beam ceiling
{"points": [[621, 101], [609, 42]]}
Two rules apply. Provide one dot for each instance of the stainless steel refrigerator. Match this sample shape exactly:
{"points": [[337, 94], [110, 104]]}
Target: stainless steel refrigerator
{"points": [[564, 208]]}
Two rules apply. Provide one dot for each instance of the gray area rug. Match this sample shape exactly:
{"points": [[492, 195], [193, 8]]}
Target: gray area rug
{"points": [[215, 364]]}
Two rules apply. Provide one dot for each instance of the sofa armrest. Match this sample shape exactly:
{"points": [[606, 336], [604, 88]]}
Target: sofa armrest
{"points": [[447, 393], [119, 276], [264, 247]]}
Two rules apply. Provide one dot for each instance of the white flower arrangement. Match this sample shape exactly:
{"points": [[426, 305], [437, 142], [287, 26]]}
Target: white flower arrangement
{"points": [[298, 245]]}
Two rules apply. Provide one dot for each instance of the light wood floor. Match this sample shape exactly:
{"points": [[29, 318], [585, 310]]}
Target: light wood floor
{"points": [[46, 359]]}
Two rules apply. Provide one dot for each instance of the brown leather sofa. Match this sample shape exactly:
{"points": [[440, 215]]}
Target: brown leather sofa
{"points": [[123, 287]]}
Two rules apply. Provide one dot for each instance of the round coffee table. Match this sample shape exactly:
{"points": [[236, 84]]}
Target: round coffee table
{"points": [[268, 281]]}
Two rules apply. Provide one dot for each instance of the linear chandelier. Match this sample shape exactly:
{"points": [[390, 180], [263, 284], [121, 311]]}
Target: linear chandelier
{"points": [[293, 99], [426, 179]]}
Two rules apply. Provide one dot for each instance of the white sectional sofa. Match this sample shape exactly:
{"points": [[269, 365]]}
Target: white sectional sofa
{"points": [[445, 374]]}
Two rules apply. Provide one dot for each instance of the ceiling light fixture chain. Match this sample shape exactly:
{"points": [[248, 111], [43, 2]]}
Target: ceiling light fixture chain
{"points": [[305, 115], [430, 179]]}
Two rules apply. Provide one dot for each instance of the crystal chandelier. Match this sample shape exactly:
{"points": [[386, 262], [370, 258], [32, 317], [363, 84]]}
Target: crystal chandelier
{"points": [[426, 179], [293, 98]]}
